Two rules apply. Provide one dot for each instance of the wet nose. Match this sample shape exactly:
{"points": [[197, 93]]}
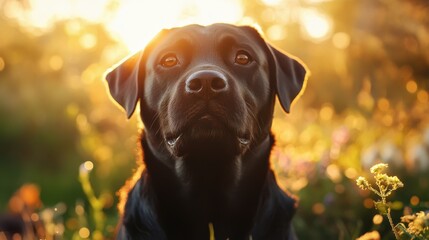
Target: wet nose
{"points": [[206, 83]]}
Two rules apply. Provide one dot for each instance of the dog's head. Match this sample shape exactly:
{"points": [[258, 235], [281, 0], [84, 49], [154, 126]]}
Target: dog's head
{"points": [[206, 88]]}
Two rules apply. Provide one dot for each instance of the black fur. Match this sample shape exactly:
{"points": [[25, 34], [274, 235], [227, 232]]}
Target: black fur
{"points": [[207, 142]]}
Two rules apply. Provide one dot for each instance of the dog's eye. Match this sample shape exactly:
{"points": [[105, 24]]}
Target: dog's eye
{"points": [[243, 58], [170, 60]]}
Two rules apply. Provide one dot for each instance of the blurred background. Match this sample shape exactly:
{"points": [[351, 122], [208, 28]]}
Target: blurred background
{"points": [[65, 148]]}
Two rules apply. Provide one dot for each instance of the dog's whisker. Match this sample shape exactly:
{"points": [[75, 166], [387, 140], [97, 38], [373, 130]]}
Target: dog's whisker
{"points": [[255, 120], [172, 141], [244, 141]]}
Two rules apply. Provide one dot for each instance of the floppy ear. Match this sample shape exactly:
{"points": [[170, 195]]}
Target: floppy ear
{"points": [[290, 77], [124, 84]]}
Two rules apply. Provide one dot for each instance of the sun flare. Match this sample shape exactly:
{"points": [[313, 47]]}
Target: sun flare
{"points": [[132, 22], [135, 23]]}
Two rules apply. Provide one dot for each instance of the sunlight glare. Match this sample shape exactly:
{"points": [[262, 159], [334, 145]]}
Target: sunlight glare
{"points": [[135, 23], [132, 22], [276, 32], [88, 40], [316, 25], [271, 2], [73, 28], [42, 16]]}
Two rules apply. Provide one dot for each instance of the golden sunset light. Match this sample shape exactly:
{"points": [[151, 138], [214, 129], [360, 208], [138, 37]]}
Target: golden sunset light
{"points": [[70, 136], [132, 22], [135, 24], [316, 25]]}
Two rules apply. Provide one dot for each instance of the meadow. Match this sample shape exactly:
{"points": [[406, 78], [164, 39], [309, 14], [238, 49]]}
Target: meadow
{"points": [[66, 149]]}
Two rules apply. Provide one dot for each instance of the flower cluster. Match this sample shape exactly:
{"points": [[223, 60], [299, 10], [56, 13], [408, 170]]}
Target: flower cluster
{"points": [[378, 168], [418, 224], [386, 185], [363, 183]]}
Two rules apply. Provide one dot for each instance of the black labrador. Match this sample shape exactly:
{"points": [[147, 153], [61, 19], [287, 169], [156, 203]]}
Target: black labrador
{"points": [[207, 95]]}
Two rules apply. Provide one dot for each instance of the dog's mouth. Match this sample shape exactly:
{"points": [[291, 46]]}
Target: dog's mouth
{"points": [[207, 131], [172, 140]]}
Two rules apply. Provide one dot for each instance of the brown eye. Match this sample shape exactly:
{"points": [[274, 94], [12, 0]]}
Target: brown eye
{"points": [[169, 60], [243, 58]]}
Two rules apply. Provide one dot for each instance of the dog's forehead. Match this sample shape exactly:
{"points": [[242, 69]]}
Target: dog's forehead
{"points": [[197, 34], [210, 30]]}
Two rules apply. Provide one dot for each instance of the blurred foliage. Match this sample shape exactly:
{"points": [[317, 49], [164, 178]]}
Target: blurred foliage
{"points": [[366, 102], [56, 114]]}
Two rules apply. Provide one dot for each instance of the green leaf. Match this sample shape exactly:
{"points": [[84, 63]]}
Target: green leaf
{"points": [[401, 229]]}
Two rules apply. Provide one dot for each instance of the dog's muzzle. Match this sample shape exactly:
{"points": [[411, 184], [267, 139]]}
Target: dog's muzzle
{"points": [[206, 83]]}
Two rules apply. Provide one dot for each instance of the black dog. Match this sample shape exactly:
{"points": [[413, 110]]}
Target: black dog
{"points": [[206, 97]]}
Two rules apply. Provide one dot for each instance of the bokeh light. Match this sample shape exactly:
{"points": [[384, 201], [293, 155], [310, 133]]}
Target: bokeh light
{"points": [[414, 200], [316, 25], [411, 86], [84, 233], [377, 219], [318, 208], [341, 40], [366, 102], [88, 165]]}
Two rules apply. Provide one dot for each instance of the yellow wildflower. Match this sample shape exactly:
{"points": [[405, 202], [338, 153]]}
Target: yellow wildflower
{"points": [[378, 168], [395, 182], [362, 183], [386, 185], [417, 224]]}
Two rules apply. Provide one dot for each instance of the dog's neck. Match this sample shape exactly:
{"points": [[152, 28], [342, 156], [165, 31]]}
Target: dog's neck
{"points": [[217, 187]]}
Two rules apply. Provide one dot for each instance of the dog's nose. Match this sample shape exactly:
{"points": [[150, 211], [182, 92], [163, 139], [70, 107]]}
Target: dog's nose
{"points": [[206, 83]]}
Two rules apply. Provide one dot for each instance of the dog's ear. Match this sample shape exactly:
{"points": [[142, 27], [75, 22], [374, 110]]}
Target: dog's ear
{"points": [[287, 73], [123, 82], [290, 77]]}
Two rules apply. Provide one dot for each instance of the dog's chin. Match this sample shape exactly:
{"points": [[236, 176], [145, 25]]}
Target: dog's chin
{"points": [[207, 136]]}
